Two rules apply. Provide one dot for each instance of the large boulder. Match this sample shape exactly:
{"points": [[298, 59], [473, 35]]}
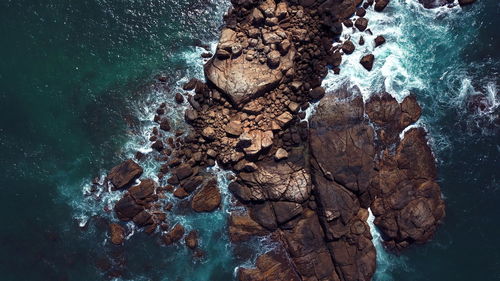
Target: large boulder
{"points": [[408, 206], [121, 176], [243, 80]]}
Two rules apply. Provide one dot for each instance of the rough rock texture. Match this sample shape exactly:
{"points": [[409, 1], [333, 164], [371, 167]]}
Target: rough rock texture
{"points": [[241, 79], [124, 174], [117, 233], [207, 199]]}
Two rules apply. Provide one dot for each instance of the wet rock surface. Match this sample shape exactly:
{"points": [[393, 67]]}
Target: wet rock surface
{"points": [[307, 186]]}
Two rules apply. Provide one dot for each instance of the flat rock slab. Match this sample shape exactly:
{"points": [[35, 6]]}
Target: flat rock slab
{"points": [[242, 80]]}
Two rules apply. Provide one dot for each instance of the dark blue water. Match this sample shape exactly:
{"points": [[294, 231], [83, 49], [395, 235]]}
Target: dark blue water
{"points": [[76, 98]]}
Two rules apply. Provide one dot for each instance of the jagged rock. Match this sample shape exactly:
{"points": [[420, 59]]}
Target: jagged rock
{"points": [[183, 171], [143, 191], [367, 61], [242, 228], [281, 10], [409, 205], [257, 16], [342, 141], [174, 235], [258, 140], [284, 119], [124, 174], [143, 218], [126, 208], [271, 266], [207, 199], [165, 124], [392, 117], [117, 233]]}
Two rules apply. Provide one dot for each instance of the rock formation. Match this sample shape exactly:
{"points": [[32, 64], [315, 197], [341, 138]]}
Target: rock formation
{"points": [[307, 185]]}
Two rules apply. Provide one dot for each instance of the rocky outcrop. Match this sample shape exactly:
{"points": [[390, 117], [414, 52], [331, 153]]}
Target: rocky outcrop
{"points": [[408, 205], [306, 185]]}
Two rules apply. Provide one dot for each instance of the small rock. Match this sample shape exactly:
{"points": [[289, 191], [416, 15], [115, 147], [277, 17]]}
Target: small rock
{"points": [[192, 239], [273, 58], [281, 154], [317, 93], [208, 133], [361, 24], [117, 233], [380, 5], [174, 235], [124, 174], [367, 61], [234, 129], [379, 40], [348, 47], [360, 12], [179, 98], [181, 193]]}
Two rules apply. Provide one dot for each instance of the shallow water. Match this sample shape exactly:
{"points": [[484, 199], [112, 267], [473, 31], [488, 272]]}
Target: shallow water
{"points": [[76, 98]]}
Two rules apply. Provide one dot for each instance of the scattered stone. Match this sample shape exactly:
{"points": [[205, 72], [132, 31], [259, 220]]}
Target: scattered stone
{"points": [[380, 5], [379, 40], [348, 47], [234, 129], [179, 98], [317, 93], [367, 61], [361, 24]]}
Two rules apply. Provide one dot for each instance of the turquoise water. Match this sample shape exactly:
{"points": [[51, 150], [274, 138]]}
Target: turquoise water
{"points": [[76, 98]]}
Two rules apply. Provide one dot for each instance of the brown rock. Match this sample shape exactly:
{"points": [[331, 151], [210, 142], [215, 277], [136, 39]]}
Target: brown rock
{"points": [[124, 174], [242, 228], [181, 193], [234, 128], [207, 199], [192, 239], [174, 235], [280, 154], [117, 233], [361, 24], [380, 5], [367, 61], [348, 47], [379, 40]]}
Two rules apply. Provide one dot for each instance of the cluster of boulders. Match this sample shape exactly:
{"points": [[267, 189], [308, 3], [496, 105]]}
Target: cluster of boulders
{"points": [[306, 184]]}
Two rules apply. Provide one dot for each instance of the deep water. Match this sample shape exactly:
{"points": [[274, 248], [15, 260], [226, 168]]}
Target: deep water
{"points": [[76, 97]]}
